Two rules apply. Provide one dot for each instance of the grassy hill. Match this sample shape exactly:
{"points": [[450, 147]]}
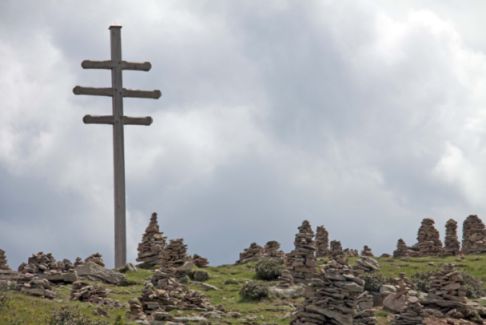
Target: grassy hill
{"points": [[18, 308]]}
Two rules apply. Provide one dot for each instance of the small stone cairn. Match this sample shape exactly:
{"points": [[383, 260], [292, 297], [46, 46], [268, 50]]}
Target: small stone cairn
{"points": [[451, 242], [367, 251], [302, 260], [473, 235], [286, 280], [366, 264], [272, 250], [412, 314], [38, 263], [200, 261], [3, 261], [333, 298], [336, 248], [95, 258], [428, 239], [251, 253], [322, 242], [45, 266], [152, 244], [174, 254], [402, 249], [447, 294], [35, 286]]}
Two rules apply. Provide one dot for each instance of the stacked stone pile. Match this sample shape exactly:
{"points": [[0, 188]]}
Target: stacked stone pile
{"points": [[251, 253], [322, 242], [3, 261], [174, 254], [95, 258], [78, 261], [200, 261], [285, 280], [447, 294], [451, 242], [45, 266], [412, 314], [333, 299], [302, 260], [367, 264], [350, 252], [165, 293], [364, 314], [402, 249], [367, 251], [428, 239], [473, 235], [135, 312], [336, 248], [152, 244], [38, 263], [272, 249], [35, 286], [95, 294]]}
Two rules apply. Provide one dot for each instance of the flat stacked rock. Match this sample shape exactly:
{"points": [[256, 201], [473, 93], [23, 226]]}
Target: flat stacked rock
{"points": [[174, 254], [451, 242], [38, 287], [83, 291], [3, 261], [473, 235], [367, 251], [164, 293], [302, 260], [336, 248], [402, 249], [200, 261], [367, 264], [412, 314], [428, 239], [251, 253], [322, 242], [152, 245], [272, 249], [447, 294], [135, 312], [333, 298], [95, 258]]}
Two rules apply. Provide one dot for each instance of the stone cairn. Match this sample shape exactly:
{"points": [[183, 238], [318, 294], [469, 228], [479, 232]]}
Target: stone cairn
{"points": [[447, 294], [333, 298], [92, 293], [412, 314], [473, 235], [451, 243], [336, 248], [200, 261], [164, 293], [34, 286], [272, 249], [402, 249], [3, 261], [428, 239], [302, 260], [174, 254], [251, 253], [45, 266], [95, 258], [152, 245], [38, 263], [286, 280], [350, 252], [367, 251], [322, 242], [366, 264]]}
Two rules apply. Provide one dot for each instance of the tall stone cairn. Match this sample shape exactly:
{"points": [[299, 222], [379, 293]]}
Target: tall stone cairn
{"points": [[252, 253], [402, 249], [152, 244], [3, 261], [272, 249], [174, 254], [333, 298], [473, 235], [302, 262], [322, 242], [428, 239], [451, 243], [336, 248]]}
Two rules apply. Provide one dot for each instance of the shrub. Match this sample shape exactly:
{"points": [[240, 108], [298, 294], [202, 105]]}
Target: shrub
{"points": [[4, 300], [373, 281], [268, 269], [253, 290]]}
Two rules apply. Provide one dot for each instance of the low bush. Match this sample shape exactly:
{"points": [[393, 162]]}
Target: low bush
{"points": [[253, 290], [268, 269]]}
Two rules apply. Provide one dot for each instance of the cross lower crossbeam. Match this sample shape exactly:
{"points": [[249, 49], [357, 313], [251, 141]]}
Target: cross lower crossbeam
{"points": [[117, 120]]}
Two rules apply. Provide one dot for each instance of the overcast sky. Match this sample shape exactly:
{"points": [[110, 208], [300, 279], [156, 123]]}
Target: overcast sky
{"points": [[362, 116]]}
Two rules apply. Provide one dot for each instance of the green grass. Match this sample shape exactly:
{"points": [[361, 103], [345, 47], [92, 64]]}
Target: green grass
{"points": [[22, 309]]}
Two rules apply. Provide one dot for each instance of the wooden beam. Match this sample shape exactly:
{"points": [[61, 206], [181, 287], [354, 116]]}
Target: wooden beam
{"points": [[108, 64], [127, 120], [78, 90], [89, 64], [155, 94], [103, 119], [142, 66]]}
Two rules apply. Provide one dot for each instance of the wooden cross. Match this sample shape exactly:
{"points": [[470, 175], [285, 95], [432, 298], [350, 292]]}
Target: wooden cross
{"points": [[118, 120]]}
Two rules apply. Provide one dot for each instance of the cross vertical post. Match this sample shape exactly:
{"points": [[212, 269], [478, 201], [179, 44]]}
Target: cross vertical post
{"points": [[118, 120]]}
